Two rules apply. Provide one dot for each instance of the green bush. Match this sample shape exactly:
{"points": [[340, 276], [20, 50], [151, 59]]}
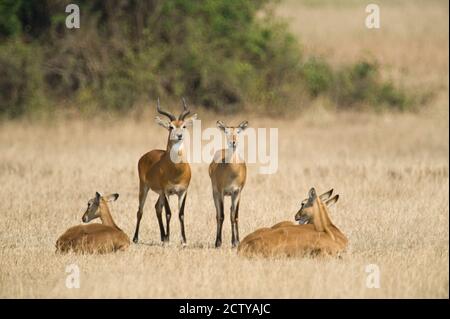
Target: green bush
{"points": [[222, 54], [360, 84], [9, 22], [318, 76], [126, 80], [21, 81]]}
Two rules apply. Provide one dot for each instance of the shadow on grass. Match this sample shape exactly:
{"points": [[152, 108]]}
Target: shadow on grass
{"points": [[173, 244]]}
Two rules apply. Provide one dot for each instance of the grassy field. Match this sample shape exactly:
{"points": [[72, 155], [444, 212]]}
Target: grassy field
{"points": [[411, 44], [392, 171]]}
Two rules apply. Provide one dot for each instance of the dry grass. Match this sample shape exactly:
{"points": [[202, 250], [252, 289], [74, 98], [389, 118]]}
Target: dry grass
{"points": [[392, 173], [411, 44], [391, 170]]}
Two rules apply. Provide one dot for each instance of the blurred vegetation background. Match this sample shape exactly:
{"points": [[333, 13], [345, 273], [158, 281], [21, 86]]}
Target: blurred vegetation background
{"points": [[223, 55]]}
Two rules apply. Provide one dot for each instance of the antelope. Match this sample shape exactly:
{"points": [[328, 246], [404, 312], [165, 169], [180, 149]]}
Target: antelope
{"points": [[228, 173], [94, 238], [314, 235], [166, 172]]}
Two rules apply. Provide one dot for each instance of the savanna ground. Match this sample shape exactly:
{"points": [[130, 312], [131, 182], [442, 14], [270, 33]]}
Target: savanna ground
{"points": [[391, 170]]}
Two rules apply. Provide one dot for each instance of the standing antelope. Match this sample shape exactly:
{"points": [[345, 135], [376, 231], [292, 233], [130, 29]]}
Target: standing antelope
{"points": [[94, 238], [166, 172], [228, 173]]}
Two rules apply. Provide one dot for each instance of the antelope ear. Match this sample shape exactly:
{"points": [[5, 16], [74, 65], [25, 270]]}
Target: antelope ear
{"points": [[188, 122], [111, 197], [312, 193], [332, 201], [243, 125], [221, 125], [326, 195], [97, 196], [163, 123]]}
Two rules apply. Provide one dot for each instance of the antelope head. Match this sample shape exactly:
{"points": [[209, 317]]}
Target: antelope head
{"points": [[175, 126], [232, 133], [306, 213], [92, 210]]}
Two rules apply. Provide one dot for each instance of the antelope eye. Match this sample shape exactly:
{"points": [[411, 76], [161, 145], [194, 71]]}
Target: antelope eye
{"points": [[184, 126]]}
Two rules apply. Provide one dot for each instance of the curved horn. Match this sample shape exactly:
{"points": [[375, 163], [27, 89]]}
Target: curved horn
{"points": [[160, 111], [186, 110]]}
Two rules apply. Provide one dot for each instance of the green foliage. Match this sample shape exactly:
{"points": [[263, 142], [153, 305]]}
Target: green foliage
{"points": [[218, 54], [360, 84], [9, 22], [21, 88], [221, 54], [127, 79], [318, 76]]}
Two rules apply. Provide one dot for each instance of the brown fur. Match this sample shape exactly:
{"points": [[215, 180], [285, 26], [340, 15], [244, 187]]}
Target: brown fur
{"points": [[94, 238], [228, 174], [159, 173], [289, 239], [225, 174]]}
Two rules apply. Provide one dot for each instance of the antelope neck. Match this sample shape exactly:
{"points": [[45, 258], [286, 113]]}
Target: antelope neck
{"points": [[105, 216], [232, 156], [176, 149], [322, 221]]}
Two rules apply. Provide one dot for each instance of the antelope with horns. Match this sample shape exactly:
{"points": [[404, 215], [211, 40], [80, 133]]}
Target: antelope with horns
{"points": [[166, 172], [228, 173], [94, 238], [315, 234]]}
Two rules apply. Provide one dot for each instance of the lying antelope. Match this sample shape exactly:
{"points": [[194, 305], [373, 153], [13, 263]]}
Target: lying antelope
{"points": [[228, 173], [316, 234], [94, 238], [166, 172]]}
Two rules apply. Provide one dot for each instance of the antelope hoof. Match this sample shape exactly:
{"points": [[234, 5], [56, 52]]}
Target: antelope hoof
{"points": [[235, 243], [218, 243], [166, 239], [135, 239]]}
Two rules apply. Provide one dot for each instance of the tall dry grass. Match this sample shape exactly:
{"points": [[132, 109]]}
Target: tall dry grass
{"points": [[391, 170], [411, 44]]}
